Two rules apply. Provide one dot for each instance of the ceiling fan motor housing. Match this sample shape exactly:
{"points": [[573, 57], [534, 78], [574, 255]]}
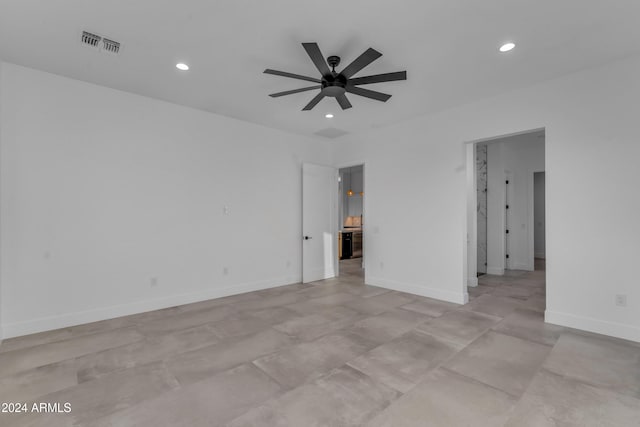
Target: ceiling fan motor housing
{"points": [[334, 84]]}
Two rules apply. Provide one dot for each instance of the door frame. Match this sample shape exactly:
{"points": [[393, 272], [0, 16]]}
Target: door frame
{"points": [[365, 205], [470, 240], [532, 222]]}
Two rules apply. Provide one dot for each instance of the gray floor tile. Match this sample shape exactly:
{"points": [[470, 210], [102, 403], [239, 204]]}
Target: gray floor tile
{"points": [[447, 399], [304, 362], [35, 419], [65, 333], [199, 364], [322, 322], [458, 326], [31, 384], [430, 307], [118, 391], [273, 301], [343, 398], [321, 303], [553, 400], [529, 325], [322, 288], [334, 299], [15, 361], [152, 349], [475, 292], [275, 315], [364, 291], [516, 291], [494, 305], [501, 361], [537, 302], [185, 320], [239, 324], [379, 303], [388, 325], [405, 361], [210, 402], [600, 361], [35, 339]]}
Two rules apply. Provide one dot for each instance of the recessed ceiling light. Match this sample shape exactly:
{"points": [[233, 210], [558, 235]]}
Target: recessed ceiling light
{"points": [[507, 47], [182, 67], [329, 116]]}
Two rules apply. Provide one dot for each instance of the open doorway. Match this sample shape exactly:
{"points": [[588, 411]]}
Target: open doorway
{"points": [[506, 225], [351, 220]]}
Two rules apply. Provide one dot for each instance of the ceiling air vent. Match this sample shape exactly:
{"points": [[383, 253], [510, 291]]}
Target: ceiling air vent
{"points": [[110, 46], [99, 43], [91, 40]]}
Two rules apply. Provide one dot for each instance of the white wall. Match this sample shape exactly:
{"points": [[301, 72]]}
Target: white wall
{"points": [[591, 125], [102, 191], [517, 158], [538, 215]]}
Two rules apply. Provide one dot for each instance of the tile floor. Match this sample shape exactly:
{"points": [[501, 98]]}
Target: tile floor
{"points": [[332, 353]]}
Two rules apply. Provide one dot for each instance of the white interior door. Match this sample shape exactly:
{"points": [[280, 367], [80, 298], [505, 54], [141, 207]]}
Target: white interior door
{"points": [[319, 222]]}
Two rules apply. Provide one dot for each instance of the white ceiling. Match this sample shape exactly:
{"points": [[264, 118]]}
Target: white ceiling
{"points": [[448, 47]]}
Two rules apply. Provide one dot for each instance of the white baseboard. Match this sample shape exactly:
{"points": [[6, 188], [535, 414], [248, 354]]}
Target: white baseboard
{"points": [[472, 281], [521, 266], [496, 271], [424, 291], [618, 330], [42, 324]]}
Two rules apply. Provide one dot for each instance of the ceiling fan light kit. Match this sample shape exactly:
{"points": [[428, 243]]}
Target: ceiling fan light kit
{"points": [[337, 85]]}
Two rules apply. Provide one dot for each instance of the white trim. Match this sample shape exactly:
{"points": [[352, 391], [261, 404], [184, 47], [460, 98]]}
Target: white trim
{"points": [[470, 240], [81, 317], [496, 271], [506, 135], [350, 165], [424, 291], [472, 281], [531, 212], [618, 330]]}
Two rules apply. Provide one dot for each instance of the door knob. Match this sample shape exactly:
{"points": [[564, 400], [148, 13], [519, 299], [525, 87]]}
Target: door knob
{"points": [[307, 237]]}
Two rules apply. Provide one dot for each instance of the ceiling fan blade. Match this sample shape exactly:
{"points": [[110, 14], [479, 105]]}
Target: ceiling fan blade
{"points": [[360, 62], [379, 78], [313, 102], [289, 92], [291, 75], [343, 101], [379, 96], [313, 50]]}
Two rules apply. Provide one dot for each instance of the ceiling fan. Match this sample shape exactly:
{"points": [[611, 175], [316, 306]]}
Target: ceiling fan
{"points": [[334, 84]]}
